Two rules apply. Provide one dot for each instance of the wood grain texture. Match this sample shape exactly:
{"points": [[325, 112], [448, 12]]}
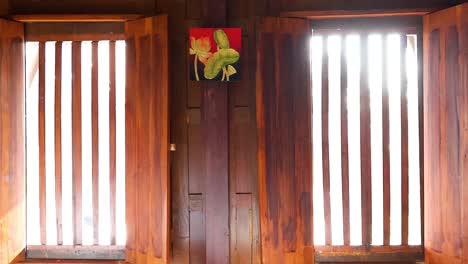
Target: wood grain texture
{"points": [[12, 152], [42, 150], [76, 144], [283, 152], [445, 137], [58, 141], [404, 141], [147, 130]]}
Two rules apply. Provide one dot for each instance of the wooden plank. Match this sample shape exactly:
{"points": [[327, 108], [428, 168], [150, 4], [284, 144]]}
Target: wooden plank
{"points": [[68, 18], [404, 141], [42, 151], [344, 142], [243, 235], [325, 145], [372, 254], [76, 144], [58, 140], [196, 153], [112, 142], [366, 184], [95, 138], [386, 143], [197, 229]]}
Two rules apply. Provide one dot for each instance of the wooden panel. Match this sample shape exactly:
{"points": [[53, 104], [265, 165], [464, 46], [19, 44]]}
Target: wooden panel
{"points": [[58, 140], [82, 6], [147, 129], [243, 231], [283, 127], [76, 144], [445, 135], [95, 138], [42, 18], [197, 229], [12, 181], [365, 254], [196, 154], [327, 14], [50, 31], [42, 151], [366, 184]]}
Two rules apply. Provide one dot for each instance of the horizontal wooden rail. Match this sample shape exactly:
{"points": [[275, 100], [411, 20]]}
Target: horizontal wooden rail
{"points": [[368, 254], [76, 252], [34, 18]]}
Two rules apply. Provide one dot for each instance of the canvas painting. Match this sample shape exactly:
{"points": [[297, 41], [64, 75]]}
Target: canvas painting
{"points": [[215, 54]]}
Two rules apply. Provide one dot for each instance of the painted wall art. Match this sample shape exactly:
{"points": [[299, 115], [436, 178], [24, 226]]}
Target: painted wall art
{"points": [[215, 54]]}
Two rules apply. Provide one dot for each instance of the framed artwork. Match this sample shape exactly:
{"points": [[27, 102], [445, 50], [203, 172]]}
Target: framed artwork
{"points": [[215, 54]]}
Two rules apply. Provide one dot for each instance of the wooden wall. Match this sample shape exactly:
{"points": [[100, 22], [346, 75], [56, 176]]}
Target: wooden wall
{"points": [[446, 136], [12, 182]]}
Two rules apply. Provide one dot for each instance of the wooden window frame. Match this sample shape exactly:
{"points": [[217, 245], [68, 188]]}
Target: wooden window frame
{"points": [[409, 22]]}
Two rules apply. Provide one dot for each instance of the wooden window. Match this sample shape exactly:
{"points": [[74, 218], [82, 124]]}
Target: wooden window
{"points": [[366, 143], [75, 128]]}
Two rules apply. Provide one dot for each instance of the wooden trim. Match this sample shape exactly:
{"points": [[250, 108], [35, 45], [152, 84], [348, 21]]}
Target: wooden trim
{"points": [[95, 138], [404, 142], [368, 254], [42, 148], [34, 18], [409, 25], [386, 143], [372, 13], [58, 140], [76, 252]]}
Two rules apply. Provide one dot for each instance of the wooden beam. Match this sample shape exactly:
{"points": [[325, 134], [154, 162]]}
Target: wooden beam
{"points": [[62, 31], [42, 150], [83, 253], [95, 138], [41, 18], [386, 143], [360, 254], [58, 140], [368, 13], [76, 144]]}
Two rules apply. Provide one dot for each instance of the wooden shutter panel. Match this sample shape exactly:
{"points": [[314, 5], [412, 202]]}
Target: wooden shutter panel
{"points": [[284, 133], [147, 140], [12, 154], [445, 135]]}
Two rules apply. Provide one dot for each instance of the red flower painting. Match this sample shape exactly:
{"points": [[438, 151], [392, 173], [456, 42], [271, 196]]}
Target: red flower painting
{"points": [[215, 54]]}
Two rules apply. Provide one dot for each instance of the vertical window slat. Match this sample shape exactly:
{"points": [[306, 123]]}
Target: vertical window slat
{"points": [[112, 141], [344, 141], [76, 145], [95, 140], [366, 184], [404, 141], [42, 150], [325, 149], [386, 142], [58, 141]]}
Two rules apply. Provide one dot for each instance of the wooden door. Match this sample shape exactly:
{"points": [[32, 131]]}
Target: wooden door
{"points": [[147, 141], [446, 135], [12, 154], [284, 140]]}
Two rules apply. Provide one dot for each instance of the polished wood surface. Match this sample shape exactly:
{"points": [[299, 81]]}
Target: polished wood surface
{"points": [[445, 135], [147, 141], [12, 139], [284, 148]]}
